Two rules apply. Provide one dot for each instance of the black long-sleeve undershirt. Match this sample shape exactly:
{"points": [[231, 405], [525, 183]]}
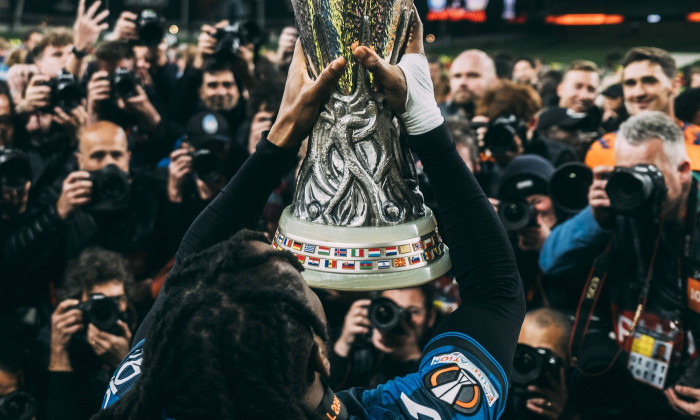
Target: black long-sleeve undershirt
{"points": [[493, 303], [237, 205]]}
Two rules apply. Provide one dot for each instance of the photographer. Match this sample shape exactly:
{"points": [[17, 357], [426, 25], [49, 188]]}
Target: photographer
{"points": [[90, 333], [220, 77], [646, 214], [539, 383], [368, 354], [16, 388], [276, 354], [7, 117], [115, 93]]}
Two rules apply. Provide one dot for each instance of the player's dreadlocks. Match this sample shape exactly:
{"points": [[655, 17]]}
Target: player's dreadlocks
{"points": [[233, 340]]}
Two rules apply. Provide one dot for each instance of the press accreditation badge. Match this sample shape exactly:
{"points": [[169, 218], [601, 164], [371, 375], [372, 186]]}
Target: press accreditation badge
{"points": [[650, 357]]}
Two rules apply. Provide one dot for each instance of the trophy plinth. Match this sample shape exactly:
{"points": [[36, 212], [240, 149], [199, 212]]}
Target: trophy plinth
{"points": [[357, 220]]}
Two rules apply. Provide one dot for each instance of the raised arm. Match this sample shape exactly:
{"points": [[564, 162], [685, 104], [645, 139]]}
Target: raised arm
{"points": [[245, 195], [493, 304]]}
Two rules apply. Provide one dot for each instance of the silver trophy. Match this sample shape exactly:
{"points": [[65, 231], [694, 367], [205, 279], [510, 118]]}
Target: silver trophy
{"points": [[358, 221]]}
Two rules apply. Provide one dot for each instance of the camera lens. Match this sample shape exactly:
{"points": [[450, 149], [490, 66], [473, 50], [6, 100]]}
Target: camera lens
{"points": [[628, 190], [17, 406], [569, 187], [103, 313], [206, 165], [113, 187], [385, 315], [516, 214]]}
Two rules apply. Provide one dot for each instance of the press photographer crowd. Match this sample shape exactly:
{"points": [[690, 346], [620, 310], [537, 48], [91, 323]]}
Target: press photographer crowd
{"points": [[123, 158]]}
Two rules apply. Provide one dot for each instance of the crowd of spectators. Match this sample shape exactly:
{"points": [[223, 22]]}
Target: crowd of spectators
{"points": [[111, 145]]}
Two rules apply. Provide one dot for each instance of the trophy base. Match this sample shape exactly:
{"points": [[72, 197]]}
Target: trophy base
{"points": [[365, 258]]}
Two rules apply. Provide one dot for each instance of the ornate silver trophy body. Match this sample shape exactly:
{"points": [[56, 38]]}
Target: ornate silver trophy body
{"points": [[358, 221]]}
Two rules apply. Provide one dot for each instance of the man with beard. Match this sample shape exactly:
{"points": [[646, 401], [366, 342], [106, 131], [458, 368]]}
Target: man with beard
{"points": [[471, 74]]}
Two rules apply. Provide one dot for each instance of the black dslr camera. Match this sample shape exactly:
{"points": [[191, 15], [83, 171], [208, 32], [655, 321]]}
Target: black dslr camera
{"points": [[101, 311], [532, 366], [150, 28], [122, 84], [206, 165], [501, 132], [637, 191], [17, 406], [231, 37], [516, 214], [386, 316], [110, 189], [15, 169], [66, 92]]}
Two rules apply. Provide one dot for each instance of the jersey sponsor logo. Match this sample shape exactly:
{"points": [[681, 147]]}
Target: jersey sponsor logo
{"points": [[128, 370], [489, 392], [455, 387]]}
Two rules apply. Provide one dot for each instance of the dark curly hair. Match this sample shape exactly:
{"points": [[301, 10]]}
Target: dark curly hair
{"points": [[94, 266], [233, 340]]}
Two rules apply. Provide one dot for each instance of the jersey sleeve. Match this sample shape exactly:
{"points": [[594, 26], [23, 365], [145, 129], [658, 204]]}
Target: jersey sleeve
{"points": [[457, 379], [125, 376]]}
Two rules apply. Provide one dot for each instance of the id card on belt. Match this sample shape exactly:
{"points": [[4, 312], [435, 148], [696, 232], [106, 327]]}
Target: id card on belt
{"points": [[650, 357]]}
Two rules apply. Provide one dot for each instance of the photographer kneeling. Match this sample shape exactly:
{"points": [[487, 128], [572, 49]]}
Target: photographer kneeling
{"points": [[382, 338], [645, 211], [90, 333]]}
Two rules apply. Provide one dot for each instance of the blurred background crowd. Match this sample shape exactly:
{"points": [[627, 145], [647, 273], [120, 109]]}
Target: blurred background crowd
{"points": [[120, 121]]}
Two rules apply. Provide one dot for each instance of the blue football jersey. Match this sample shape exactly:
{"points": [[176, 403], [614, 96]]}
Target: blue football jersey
{"points": [[457, 379]]}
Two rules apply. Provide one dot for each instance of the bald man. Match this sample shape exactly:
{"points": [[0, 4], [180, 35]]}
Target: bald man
{"points": [[101, 144], [471, 74]]}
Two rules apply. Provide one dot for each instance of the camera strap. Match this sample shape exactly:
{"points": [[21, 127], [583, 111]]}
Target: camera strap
{"points": [[331, 408], [589, 300]]}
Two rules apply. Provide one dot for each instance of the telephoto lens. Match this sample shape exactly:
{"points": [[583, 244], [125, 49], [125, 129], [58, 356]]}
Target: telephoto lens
{"points": [[17, 406], [568, 187], [15, 169], [638, 190], [110, 189]]}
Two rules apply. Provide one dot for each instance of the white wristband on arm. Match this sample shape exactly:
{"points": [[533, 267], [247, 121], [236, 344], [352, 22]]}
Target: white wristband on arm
{"points": [[422, 112]]}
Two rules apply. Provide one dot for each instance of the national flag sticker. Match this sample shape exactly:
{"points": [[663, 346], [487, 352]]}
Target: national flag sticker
{"points": [[296, 246], [308, 248], [348, 265], [366, 265], [287, 242], [357, 252], [330, 263], [399, 262], [324, 250], [389, 251], [340, 252], [404, 249], [418, 246], [383, 264], [415, 259], [429, 242], [301, 258], [313, 261], [374, 252]]}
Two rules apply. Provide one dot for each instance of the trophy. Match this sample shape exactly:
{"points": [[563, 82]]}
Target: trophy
{"points": [[357, 220]]}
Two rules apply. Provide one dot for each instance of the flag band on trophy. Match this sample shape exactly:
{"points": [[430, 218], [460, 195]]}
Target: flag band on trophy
{"points": [[414, 254]]}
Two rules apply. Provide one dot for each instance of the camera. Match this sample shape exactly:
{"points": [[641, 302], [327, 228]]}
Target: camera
{"points": [[532, 366], [516, 214], [150, 28], [17, 406], [501, 132], [66, 92], [568, 187], [15, 169], [101, 311], [110, 189], [386, 316], [122, 84], [230, 38], [637, 191], [206, 165]]}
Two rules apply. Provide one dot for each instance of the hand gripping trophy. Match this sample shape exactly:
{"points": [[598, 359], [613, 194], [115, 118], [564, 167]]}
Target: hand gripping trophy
{"points": [[358, 221]]}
